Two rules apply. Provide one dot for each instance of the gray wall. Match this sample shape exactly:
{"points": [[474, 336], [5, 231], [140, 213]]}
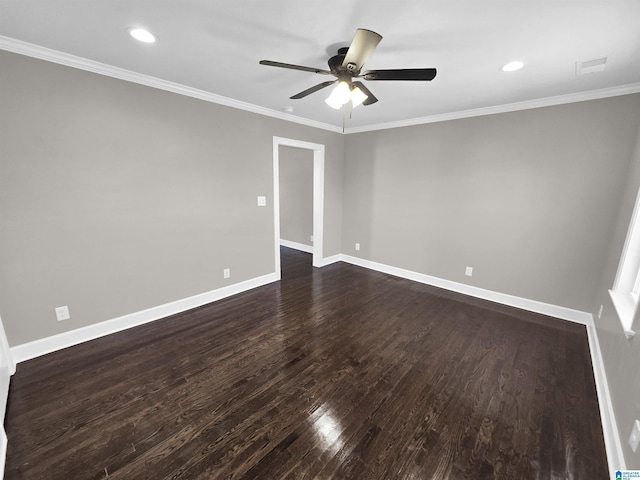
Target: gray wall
{"points": [[528, 199], [621, 356], [296, 195], [115, 197]]}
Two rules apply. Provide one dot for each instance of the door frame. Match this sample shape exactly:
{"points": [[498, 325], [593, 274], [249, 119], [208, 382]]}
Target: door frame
{"points": [[318, 196]]}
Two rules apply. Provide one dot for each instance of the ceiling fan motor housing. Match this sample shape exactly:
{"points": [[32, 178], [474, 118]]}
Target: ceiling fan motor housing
{"points": [[335, 63]]}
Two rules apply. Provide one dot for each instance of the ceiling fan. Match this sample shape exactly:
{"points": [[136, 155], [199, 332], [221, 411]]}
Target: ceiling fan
{"points": [[346, 66]]}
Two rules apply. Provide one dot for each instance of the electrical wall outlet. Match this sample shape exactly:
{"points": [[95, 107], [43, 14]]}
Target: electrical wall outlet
{"points": [[262, 201], [469, 271], [357, 246], [311, 238], [62, 313], [600, 311], [226, 273], [634, 438]]}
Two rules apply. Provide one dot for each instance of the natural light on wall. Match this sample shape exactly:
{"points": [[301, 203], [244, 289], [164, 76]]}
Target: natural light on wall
{"points": [[626, 287]]}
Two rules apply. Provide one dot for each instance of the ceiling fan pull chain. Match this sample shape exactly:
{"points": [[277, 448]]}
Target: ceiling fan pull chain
{"points": [[342, 119]]}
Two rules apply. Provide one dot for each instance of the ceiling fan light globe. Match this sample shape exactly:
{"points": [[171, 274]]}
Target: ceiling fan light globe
{"points": [[342, 93], [357, 97], [333, 103]]}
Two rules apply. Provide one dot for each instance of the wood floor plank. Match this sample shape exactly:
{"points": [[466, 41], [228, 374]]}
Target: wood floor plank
{"points": [[332, 373]]}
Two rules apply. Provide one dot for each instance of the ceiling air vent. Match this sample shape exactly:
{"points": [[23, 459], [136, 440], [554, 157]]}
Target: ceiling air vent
{"points": [[591, 66]]}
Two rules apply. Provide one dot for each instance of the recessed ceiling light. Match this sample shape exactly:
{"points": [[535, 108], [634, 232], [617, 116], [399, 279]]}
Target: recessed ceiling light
{"points": [[142, 35], [512, 66]]}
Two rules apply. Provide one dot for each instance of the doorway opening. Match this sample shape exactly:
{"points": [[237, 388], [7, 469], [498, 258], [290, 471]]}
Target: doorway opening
{"points": [[318, 197]]}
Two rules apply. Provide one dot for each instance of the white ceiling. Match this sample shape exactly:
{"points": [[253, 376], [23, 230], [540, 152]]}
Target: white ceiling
{"points": [[215, 46]]}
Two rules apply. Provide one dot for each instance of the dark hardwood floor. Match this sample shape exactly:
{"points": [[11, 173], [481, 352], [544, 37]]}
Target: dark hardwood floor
{"points": [[332, 373]]}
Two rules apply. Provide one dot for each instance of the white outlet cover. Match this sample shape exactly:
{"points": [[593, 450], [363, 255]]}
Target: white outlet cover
{"points": [[262, 201], [357, 246], [62, 313], [634, 438], [226, 273], [468, 271]]}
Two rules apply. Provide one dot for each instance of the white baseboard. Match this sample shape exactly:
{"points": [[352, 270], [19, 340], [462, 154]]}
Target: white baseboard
{"points": [[309, 249], [332, 259], [46, 345], [297, 246], [615, 456], [503, 298]]}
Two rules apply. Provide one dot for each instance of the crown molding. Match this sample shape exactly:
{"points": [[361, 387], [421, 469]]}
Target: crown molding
{"points": [[505, 108], [55, 56]]}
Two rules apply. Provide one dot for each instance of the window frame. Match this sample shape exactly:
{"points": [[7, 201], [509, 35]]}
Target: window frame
{"points": [[626, 286]]}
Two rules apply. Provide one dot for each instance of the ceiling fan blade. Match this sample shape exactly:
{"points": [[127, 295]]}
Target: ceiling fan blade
{"points": [[295, 67], [362, 46], [416, 74], [311, 90], [370, 96]]}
